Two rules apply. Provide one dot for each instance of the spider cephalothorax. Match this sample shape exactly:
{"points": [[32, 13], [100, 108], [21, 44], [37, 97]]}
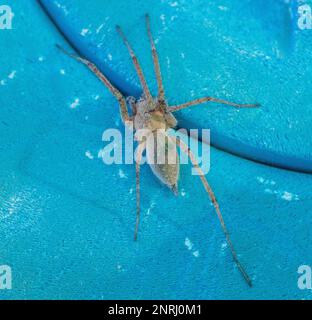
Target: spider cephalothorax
{"points": [[152, 115]]}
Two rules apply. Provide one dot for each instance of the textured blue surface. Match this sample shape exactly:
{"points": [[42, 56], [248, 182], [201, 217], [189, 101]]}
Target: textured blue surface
{"points": [[241, 50], [66, 221]]}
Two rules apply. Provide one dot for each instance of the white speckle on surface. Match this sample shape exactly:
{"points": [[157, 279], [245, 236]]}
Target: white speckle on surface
{"points": [[3, 82], [223, 8], [117, 122], [75, 104], [285, 195], [98, 30], [119, 267], [84, 32], [62, 71], [162, 18], [12, 75], [224, 245], [289, 196], [196, 253], [60, 6], [131, 191], [121, 174], [188, 243], [96, 97], [174, 4], [14, 202], [89, 155], [182, 55], [266, 181], [22, 201], [41, 58], [110, 57], [150, 208], [168, 62], [183, 193]]}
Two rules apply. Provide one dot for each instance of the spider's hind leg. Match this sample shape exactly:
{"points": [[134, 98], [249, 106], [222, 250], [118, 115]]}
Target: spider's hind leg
{"points": [[140, 151], [213, 199]]}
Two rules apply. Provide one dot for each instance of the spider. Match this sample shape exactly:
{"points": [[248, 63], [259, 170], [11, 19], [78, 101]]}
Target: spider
{"points": [[155, 115]]}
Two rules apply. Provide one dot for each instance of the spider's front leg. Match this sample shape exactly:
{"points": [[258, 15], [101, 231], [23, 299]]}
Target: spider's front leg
{"points": [[116, 93], [137, 65], [211, 99], [161, 91]]}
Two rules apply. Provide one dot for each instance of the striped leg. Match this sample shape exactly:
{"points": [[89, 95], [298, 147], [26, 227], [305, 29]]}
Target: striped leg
{"points": [[210, 192], [140, 151], [210, 99], [136, 65], [161, 91], [117, 94]]}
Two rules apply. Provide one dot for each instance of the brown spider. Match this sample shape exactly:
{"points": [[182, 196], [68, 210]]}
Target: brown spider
{"points": [[156, 116]]}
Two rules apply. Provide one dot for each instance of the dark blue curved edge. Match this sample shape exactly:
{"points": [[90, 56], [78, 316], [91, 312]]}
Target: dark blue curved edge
{"points": [[218, 140], [84, 47]]}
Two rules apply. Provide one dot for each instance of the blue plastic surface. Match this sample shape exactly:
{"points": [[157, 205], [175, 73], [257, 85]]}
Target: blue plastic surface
{"points": [[242, 50], [66, 219]]}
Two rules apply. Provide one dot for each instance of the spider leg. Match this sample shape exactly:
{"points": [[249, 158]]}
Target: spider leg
{"points": [[132, 103], [161, 91], [117, 94], [140, 151], [136, 64], [210, 192], [210, 99]]}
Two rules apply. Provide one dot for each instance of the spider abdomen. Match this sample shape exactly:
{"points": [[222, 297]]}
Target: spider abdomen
{"points": [[162, 156]]}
